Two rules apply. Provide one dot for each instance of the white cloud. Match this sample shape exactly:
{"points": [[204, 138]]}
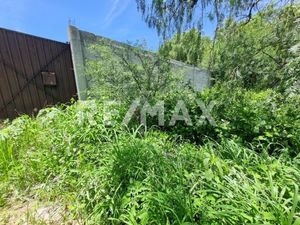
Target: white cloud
{"points": [[117, 8]]}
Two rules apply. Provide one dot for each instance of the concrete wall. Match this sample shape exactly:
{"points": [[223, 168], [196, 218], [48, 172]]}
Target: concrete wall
{"points": [[81, 41]]}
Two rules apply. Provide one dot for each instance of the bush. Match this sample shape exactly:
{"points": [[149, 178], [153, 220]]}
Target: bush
{"points": [[112, 176], [266, 120], [239, 172], [126, 73], [262, 53]]}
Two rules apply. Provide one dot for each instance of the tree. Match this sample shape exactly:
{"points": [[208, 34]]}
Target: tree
{"points": [[189, 47], [125, 73], [259, 54], [171, 16]]}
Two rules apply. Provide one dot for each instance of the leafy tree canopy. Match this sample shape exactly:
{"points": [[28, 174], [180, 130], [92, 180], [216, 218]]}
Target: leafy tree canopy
{"points": [[171, 16], [262, 53], [176, 48]]}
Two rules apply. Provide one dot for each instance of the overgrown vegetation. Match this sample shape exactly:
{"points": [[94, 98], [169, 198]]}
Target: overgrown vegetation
{"points": [[260, 54], [114, 176], [241, 168], [126, 73]]}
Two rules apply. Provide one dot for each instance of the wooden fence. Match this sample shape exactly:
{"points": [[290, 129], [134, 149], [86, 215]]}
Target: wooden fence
{"points": [[34, 73]]}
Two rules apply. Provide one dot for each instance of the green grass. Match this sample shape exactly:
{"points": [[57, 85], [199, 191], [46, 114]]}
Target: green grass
{"points": [[114, 176]]}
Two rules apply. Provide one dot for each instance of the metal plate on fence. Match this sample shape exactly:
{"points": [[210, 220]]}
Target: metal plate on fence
{"points": [[49, 78]]}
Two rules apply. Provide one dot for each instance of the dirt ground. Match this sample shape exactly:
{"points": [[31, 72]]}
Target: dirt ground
{"points": [[32, 212]]}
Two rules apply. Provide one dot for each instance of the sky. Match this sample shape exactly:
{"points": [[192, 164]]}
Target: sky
{"points": [[115, 19]]}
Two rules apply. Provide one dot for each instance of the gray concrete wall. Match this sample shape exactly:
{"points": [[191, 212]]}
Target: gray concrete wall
{"points": [[80, 42]]}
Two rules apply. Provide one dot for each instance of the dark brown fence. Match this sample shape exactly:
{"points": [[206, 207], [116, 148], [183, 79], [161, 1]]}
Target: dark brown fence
{"points": [[34, 73]]}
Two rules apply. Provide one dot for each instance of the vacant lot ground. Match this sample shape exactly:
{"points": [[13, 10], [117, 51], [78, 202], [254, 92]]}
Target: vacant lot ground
{"points": [[33, 212]]}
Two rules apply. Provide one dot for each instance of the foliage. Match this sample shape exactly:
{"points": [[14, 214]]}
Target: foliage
{"points": [[126, 73], [265, 120], [259, 54], [169, 16], [189, 47], [244, 169], [114, 176]]}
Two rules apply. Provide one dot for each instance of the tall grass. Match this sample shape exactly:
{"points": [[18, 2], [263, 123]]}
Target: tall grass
{"points": [[115, 176]]}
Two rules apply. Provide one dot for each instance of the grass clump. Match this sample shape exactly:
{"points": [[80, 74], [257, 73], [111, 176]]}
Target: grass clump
{"points": [[110, 175]]}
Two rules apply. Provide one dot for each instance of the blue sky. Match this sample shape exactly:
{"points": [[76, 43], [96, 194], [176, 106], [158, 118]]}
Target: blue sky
{"points": [[116, 19]]}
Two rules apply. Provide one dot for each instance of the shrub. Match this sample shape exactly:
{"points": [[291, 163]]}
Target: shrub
{"points": [[266, 120], [117, 175]]}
